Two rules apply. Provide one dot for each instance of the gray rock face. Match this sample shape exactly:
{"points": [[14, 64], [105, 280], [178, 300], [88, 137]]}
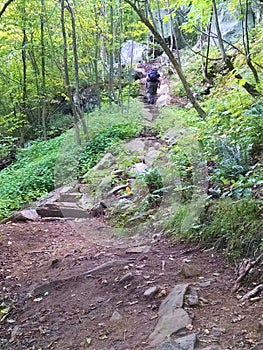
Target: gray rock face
{"points": [[230, 23], [174, 300], [132, 52], [138, 168], [23, 215], [170, 323], [151, 292]]}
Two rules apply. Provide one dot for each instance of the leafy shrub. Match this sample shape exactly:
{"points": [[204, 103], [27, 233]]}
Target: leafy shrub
{"points": [[30, 177], [234, 159]]}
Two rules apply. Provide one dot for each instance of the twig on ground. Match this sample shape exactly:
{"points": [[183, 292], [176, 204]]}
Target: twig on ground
{"points": [[244, 268], [252, 292]]}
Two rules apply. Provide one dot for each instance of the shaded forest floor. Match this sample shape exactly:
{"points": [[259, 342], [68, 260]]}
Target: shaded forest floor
{"points": [[106, 308]]}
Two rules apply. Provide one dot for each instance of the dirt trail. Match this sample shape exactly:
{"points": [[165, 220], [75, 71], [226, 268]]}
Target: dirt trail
{"points": [[75, 284], [107, 309]]}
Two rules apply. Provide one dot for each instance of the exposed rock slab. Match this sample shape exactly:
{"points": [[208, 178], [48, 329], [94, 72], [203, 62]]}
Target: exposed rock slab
{"points": [[22, 215], [172, 318], [106, 162], [183, 343], [170, 323], [62, 209], [135, 146]]}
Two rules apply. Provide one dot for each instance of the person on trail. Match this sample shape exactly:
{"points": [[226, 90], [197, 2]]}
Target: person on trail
{"points": [[153, 82]]}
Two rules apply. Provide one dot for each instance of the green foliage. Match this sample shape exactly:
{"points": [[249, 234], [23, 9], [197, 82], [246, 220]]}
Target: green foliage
{"points": [[234, 159], [102, 142], [232, 226], [235, 226], [30, 177], [58, 123], [152, 178], [110, 115]]}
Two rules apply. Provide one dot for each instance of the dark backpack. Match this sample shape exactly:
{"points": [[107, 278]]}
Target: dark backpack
{"points": [[153, 76]]}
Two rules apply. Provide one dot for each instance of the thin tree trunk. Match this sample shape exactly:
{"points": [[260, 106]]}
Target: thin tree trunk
{"points": [[24, 75], [247, 86], [97, 51], [208, 48], [78, 109], [43, 70], [111, 63], [5, 7], [173, 60], [66, 72], [246, 39]]}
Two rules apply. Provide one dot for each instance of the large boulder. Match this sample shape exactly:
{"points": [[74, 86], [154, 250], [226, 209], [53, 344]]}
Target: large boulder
{"points": [[230, 22], [132, 52]]}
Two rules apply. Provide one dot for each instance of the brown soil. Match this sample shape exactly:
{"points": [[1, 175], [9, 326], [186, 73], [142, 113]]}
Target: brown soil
{"points": [[75, 311]]}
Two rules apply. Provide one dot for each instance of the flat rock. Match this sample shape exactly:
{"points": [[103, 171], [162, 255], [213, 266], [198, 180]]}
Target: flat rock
{"points": [[138, 168], [135, 146], [70, 197], [23, 215], [190, 270], [62, 209], [151, 156], [169, 324], [175, 299], [151, 292], [106, 162], [49, 210], [182, 343], [172, 318]]}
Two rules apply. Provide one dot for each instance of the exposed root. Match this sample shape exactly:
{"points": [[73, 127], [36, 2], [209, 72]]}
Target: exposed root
{"points": [[244, 268], [46, 287]]}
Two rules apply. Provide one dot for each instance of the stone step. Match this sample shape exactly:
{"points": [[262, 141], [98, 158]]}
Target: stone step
{"points": [[62, 210], [71, 197]]}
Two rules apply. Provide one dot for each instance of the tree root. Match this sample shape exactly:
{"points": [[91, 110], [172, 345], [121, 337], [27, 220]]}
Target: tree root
{"points": [[245, 266], [252, 292], [46, 287]]}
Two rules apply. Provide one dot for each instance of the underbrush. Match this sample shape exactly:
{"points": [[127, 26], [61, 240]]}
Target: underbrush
{"points": [[221, 157], [30, 177], [234, 226], [96, 147], [44, 165]]}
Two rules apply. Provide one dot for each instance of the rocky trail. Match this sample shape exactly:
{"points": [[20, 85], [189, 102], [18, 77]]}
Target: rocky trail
{"points": [[69, 280]]}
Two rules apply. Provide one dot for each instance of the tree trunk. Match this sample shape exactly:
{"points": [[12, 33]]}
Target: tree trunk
{"points": [[173, 60], [246, 39], [5, 7], [43, 70], [66, 72], [76, 100], [249, 87]]}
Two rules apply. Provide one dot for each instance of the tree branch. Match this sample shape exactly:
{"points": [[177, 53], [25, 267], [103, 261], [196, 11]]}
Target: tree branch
{"points": [[5, 7]]}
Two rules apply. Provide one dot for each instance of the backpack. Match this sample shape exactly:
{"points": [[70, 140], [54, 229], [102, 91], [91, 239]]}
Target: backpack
{"points": [[153, 76]]}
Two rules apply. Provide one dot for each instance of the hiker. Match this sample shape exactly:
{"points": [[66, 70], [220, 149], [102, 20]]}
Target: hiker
{"points": [[152, 84]]}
